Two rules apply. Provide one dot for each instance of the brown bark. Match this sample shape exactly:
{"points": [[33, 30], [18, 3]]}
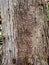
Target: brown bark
{"points": [[30, 33]]}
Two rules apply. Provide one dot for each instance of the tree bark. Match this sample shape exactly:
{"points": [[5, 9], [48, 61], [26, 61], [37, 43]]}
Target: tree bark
{"points": [[25, 32], [9, 33]]}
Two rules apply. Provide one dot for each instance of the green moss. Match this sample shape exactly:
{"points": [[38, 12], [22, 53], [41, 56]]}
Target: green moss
{"points": [[1, 37], [47, 16], [47, 10]]}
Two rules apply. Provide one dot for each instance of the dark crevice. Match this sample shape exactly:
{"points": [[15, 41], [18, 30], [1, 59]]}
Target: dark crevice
{"points": [[48, 23], [0, 22], [14, 61], [48, 60], [0, 59]]}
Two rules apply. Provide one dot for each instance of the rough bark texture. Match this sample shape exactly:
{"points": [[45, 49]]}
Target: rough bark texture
{"points": [[25, 29], [9, 32]]}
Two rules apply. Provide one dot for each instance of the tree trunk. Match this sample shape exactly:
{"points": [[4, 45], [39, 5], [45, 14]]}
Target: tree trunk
{"points": [[9, 33], [25, 32]]}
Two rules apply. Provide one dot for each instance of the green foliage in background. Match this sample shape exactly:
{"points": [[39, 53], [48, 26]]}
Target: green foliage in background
{"points": [[1, 37], [47, 10]]}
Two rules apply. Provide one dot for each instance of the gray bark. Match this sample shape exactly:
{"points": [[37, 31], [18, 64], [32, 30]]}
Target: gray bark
{"points": [[26, 32], [9, 32]]}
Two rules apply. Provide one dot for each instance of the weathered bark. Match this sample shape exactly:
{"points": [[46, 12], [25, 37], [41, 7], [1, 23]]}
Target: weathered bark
{"points": [[9, 32], [32, 33], [25, 29]]}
